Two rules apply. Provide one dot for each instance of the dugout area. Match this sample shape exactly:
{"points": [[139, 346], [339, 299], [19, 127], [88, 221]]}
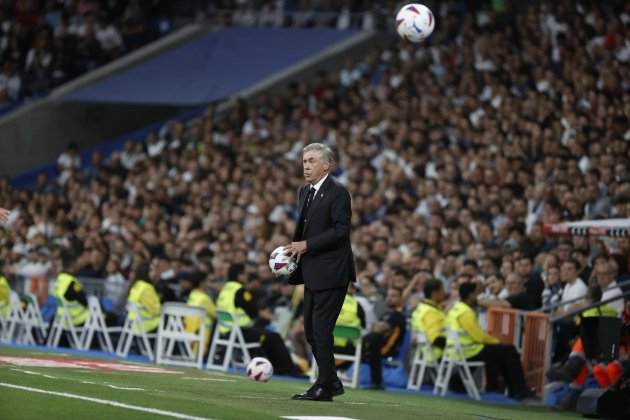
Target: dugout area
{"points": [[80, 386]]}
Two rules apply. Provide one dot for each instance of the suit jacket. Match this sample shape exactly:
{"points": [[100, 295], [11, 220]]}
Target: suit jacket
{"points": [[328, 262]]}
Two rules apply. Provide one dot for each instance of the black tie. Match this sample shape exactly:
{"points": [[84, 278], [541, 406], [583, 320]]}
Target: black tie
{"points": [[309, 199]]}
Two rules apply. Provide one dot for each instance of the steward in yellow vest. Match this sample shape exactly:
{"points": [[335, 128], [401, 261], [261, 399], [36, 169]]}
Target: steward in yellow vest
{"points": [[351, 315], [237, 299], [501, 360], [69, 294], [429, 318], [143, 294], [5, 296], [195, 295]]}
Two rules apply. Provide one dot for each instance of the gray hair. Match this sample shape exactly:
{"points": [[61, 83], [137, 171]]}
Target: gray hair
{"points": [[324, 150]]}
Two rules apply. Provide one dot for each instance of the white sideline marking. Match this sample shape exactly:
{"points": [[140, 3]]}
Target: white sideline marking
{"points": [[30, 372], [316, 418], [210, 379], [124, 388], [106, 402]]}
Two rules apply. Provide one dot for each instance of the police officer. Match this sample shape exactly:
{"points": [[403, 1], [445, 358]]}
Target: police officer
{"points": [[429, 317], [143, 294], [500, 359], [195, 295], [238, 300]]}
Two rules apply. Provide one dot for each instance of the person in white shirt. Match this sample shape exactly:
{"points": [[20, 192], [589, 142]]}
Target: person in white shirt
{"points": [[605, 275], [574, 287]]}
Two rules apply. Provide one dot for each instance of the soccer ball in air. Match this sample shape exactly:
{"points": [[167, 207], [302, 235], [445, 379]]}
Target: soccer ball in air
{"points": [[280, 263], [415, 22], [259, 369]]}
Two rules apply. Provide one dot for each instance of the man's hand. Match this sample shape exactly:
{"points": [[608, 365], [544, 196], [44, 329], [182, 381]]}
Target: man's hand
{"points": [[4, 215], [296, 249]]}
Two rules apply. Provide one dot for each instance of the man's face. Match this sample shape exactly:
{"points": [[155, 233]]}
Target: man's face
{"points": [[525, 266], [513, 284], [314, 166], [495, 285], [393, 298], [439, 295], [568, 272]]}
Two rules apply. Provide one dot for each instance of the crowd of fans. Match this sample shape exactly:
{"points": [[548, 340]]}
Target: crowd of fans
{"points": [[46, 43], [456, 153]]}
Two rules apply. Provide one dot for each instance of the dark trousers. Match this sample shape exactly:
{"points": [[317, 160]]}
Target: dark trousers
{"points": [[321, 309], [502, 360], [273, 348], [373, 344], [565, 331]]}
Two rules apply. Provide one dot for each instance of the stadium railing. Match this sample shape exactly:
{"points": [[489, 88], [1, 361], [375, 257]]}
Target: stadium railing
{"points": [[530, 333], [42, 287]]}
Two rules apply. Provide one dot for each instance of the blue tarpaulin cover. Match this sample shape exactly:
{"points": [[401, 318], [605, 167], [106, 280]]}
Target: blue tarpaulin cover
{"points": [[214, 66]]}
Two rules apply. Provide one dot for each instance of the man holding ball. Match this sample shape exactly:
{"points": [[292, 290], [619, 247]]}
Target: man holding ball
{"points": [[321, 244]]}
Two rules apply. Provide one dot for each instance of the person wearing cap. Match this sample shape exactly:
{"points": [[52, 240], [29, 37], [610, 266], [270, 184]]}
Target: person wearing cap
{"points": [[237, 299], [195, 295], [477, 345]]}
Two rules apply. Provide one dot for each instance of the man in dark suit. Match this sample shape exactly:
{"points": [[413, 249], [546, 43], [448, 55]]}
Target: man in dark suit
{"points": [[321, 243]]}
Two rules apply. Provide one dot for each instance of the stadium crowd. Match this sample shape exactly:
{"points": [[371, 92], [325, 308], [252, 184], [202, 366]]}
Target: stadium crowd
{"points": [[46, 43], [456, 153]]}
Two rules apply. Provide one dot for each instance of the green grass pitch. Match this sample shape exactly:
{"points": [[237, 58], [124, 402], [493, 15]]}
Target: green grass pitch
{"points": [[213, 395]]}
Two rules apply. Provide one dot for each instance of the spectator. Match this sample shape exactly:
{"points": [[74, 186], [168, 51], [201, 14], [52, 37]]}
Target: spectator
{"points": [[552, 294], [534, 284], [517, 298], [574, 287], [385, 338]]}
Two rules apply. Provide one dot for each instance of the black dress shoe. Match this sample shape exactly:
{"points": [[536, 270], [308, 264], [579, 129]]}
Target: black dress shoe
{"points": [[317, 393], [337, 389]]}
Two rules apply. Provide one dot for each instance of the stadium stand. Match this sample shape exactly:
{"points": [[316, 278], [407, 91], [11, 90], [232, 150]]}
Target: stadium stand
{"points": [[457, 155], [46, 43]]}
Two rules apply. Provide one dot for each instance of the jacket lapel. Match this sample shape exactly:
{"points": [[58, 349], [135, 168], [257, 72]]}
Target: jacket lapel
{"points": [[317, 198], [303, 198]]}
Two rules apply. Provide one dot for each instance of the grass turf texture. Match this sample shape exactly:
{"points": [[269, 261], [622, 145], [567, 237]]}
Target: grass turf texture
{"points": [[218, 396]]}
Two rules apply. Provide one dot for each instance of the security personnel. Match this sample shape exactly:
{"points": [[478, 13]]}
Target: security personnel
{"points": [[237, 300], [500, 359], [351, 315], [5, 293], [196, 296], [429, 317], [143, 294], [70, 294]]}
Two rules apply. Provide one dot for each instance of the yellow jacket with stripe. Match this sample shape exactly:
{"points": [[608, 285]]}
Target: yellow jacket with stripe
{"points": [[145, 297], [462, 319]]}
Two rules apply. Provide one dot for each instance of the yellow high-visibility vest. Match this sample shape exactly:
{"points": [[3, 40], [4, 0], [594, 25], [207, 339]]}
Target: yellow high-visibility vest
{"points": [[199, 298], [431, 330], [150, 321], [5, 297], [225, 302], [76, 310], [469, 347], [349, 316]]}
